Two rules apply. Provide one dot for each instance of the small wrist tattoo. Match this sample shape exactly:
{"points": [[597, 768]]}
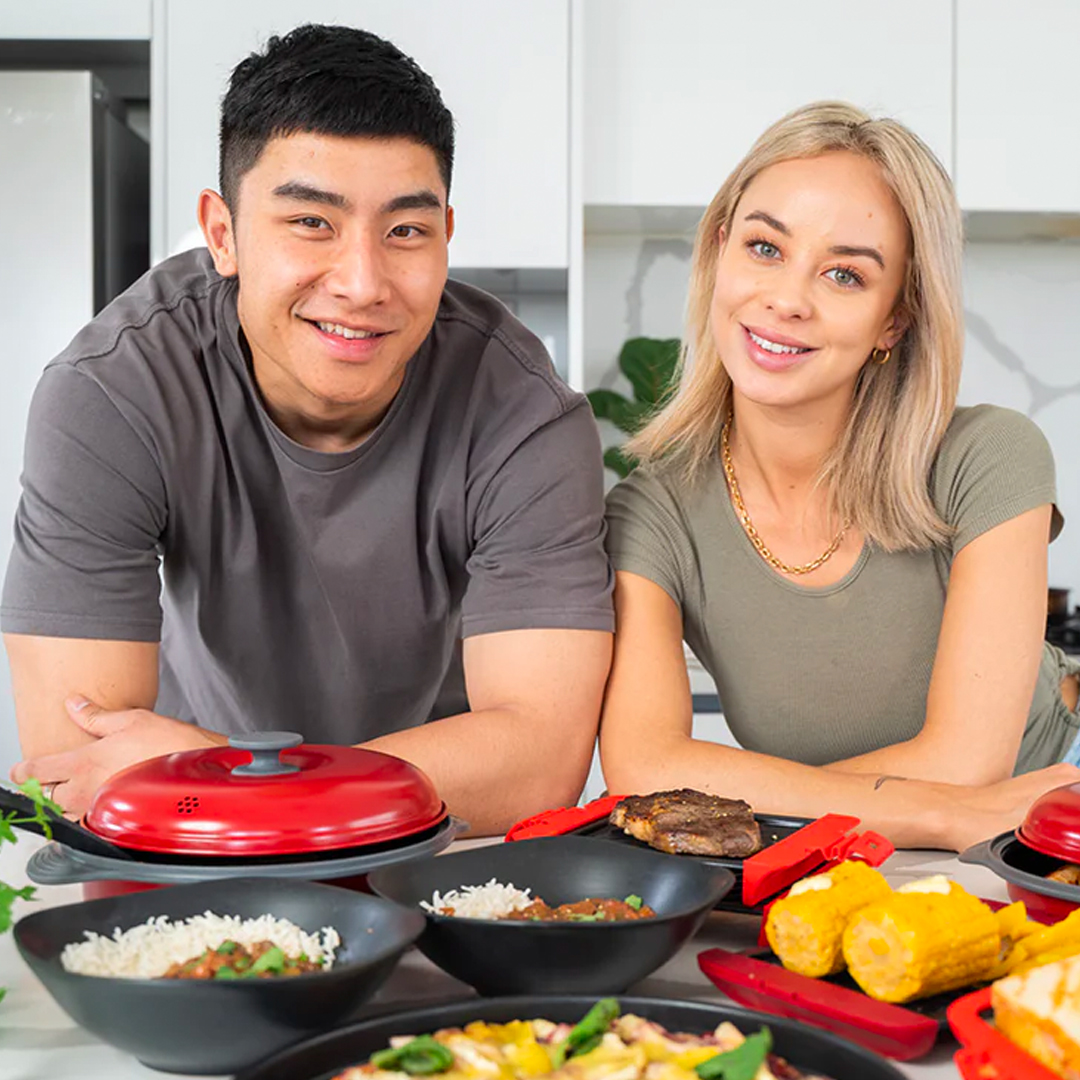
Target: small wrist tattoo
{"points": [[881, 780]]}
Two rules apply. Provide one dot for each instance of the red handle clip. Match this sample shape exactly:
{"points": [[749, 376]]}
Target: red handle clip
{"points": [[562, 819]]}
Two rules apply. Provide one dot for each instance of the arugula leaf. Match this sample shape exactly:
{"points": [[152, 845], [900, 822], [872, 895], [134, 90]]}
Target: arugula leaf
{"points": [[34, 791], [8, 893], [8, 896], [6, 831], [742, 1063]]}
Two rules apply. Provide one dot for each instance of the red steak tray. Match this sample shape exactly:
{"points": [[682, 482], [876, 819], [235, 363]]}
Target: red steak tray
{"points": [[792, 847]]}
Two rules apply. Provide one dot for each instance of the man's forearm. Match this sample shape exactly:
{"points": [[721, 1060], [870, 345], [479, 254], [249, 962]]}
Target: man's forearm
{"points": [[493, 767], [46, 671]]}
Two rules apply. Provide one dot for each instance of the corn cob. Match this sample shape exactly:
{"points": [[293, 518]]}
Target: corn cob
{"points": [[805, 928], [1045, 944], [928, 937]]}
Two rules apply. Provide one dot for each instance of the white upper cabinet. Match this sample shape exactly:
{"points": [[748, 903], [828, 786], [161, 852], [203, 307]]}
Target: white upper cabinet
{"points": [[1018, 105], [502, 68], [676, 93], [78, 20]]}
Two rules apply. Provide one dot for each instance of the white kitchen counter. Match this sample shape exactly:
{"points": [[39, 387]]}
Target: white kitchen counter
{"points": [[39, 1042]]}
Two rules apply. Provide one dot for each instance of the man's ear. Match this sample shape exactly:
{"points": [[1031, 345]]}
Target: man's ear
{"points": [[216, 223], [449, 224]]}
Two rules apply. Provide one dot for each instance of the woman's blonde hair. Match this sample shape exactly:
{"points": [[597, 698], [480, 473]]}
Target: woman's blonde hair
{"points": [[876, 476]]}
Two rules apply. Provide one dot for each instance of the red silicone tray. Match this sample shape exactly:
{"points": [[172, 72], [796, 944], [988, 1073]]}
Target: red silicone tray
{"points": [[817, 844], [985, 1054], [890, 1030]]}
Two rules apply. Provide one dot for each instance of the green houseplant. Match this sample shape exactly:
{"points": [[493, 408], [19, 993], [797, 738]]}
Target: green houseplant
{"points": [[649, 365]]}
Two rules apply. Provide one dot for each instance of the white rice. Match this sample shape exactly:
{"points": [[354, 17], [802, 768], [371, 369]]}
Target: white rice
{"points": [[148, 950], [479, 901]]}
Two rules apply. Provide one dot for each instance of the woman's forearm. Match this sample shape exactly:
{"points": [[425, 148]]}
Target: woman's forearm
{"points": [[909, 813], [922, 758]]}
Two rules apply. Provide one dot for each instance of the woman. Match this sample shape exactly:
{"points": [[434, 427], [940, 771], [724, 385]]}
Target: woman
{"points": [[859, 564]]}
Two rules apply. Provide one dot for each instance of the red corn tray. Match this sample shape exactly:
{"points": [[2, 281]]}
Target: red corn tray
{"points": [[889, 1030]]}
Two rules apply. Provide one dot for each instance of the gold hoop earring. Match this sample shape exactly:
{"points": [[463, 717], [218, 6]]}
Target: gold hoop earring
{"points": [[881, 356]]}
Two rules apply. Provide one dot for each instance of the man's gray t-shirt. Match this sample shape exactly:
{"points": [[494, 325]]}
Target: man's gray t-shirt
{"points": [[316, 592]]}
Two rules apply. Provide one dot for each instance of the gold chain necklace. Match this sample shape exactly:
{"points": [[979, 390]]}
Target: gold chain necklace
{"points": [[748, 525]]}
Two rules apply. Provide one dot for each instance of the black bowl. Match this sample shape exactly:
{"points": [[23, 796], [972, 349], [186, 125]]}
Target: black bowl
{"points": [[507, 957], [806, 1048], [197, 1026]]}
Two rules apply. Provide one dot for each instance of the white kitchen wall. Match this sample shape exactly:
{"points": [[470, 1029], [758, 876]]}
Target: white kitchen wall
{"points": [[45, 147]]}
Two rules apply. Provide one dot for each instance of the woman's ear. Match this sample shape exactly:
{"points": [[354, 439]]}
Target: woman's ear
{"points": [[895, 328]]}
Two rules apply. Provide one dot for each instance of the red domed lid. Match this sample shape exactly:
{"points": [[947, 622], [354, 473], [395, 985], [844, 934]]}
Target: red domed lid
{"points": [[264, 794], [1052, 824]]}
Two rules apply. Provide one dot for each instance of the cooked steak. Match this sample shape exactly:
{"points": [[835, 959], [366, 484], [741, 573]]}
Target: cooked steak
{"points": [[688, 822]]}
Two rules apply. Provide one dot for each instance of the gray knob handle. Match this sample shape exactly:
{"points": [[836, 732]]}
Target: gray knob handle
{"points": [[266, 747]]}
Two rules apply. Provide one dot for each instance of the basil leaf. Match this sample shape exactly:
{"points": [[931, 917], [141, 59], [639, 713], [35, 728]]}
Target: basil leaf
{"points": [[742, 1063], [422, 1056]]}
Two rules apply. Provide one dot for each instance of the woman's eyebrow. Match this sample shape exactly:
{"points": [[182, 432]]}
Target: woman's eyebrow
{"points": [[760, 215], [869, 252], [839, 249]]}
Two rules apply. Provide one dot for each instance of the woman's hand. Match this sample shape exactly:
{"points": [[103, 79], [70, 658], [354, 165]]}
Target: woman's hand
{"points": [[985, 812]]}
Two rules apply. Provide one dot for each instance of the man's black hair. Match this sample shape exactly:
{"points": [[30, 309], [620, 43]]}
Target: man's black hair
{"points": [[328, 80]]}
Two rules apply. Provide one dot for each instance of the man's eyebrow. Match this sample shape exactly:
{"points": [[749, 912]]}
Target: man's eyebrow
{"points": [[301, 192], [760, 215], [869, 252], [424, 199]]}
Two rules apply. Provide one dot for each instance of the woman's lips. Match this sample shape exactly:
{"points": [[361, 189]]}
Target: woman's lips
{"points": [[772, 361]]}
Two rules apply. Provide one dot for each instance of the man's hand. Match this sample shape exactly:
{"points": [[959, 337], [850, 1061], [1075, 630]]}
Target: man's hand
{"points": [[121, 738]]}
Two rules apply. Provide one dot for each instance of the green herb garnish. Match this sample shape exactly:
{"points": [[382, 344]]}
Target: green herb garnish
{"points": [[634, 902], [227, 947], [423, 1056], [586, 1034], [742, 1063], [271, 960], [226, 973]]}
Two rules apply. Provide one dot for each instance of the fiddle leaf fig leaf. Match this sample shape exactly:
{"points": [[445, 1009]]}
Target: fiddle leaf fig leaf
{"points": [[626, 415], [649, 364], [618, 461]]}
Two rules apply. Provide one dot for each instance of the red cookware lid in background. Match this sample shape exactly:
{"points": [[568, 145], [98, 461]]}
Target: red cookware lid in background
{"points": [[264, 794], [1052, 824]]}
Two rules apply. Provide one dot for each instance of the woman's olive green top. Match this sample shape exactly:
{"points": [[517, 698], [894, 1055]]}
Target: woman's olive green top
{"points": [[820, 674]]}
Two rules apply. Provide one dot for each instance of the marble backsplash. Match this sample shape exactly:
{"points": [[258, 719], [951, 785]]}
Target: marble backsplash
{"points": [[1020, 301]]}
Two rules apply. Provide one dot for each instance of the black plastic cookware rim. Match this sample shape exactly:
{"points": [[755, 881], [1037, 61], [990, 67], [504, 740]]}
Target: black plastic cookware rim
{"points": [[56, 864], [988, 853], [323, 1056]]}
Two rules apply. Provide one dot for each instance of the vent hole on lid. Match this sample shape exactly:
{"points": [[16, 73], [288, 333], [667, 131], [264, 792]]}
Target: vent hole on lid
{"points": [[188, 804]]}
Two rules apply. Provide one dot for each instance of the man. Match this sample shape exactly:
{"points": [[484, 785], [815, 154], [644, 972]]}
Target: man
{"points": [[372, 502]]}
